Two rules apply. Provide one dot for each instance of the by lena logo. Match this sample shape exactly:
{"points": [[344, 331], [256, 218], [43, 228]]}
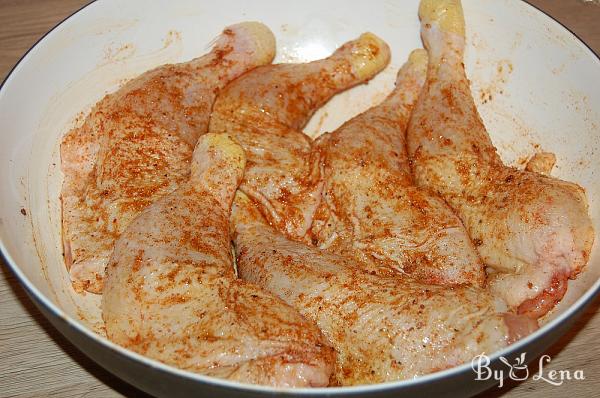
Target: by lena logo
{"points": [[519, 371]]}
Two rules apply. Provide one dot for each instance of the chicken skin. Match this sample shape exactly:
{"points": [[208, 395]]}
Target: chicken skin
{"points": [[383, 328], [265, 110], [136, 144], [532, 231], [171, 292], [370, 204]]}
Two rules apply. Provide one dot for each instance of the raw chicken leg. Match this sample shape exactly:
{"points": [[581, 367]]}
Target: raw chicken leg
{"points": [[533, 230], [370, 204], [382, 328], [171, 292], [135, 146], [264, 110]]}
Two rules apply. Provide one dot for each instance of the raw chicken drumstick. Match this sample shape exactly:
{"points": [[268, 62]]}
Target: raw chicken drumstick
{"points": [[370, 204], [383, 328], [532, 230], [171, 292], [135, 146], [265, 110]]}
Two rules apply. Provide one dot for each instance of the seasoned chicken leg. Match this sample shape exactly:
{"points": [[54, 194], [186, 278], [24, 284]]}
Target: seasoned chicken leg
{"points": [[370, 204], [135, 146], [532, 230], [383, 328], [171, 292], [264, 110]]}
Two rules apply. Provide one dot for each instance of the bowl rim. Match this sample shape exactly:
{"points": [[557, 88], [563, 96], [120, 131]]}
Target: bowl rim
{"points": [[573, 311]]}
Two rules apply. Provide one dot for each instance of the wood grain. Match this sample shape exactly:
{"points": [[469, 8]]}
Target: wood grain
{"points": [[36, 361]]}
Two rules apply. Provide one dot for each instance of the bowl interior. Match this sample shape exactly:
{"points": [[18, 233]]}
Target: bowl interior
{"points": [[536, 86]]}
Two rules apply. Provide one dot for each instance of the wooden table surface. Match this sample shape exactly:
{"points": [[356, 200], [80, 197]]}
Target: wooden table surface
{"points": [[36, 361]]}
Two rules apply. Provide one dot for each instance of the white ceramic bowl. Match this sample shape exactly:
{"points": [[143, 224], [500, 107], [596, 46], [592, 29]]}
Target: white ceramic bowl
{"points": [[537, 87]]}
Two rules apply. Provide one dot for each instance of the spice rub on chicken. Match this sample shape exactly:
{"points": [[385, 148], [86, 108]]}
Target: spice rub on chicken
{"points": [[136, 144]]}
